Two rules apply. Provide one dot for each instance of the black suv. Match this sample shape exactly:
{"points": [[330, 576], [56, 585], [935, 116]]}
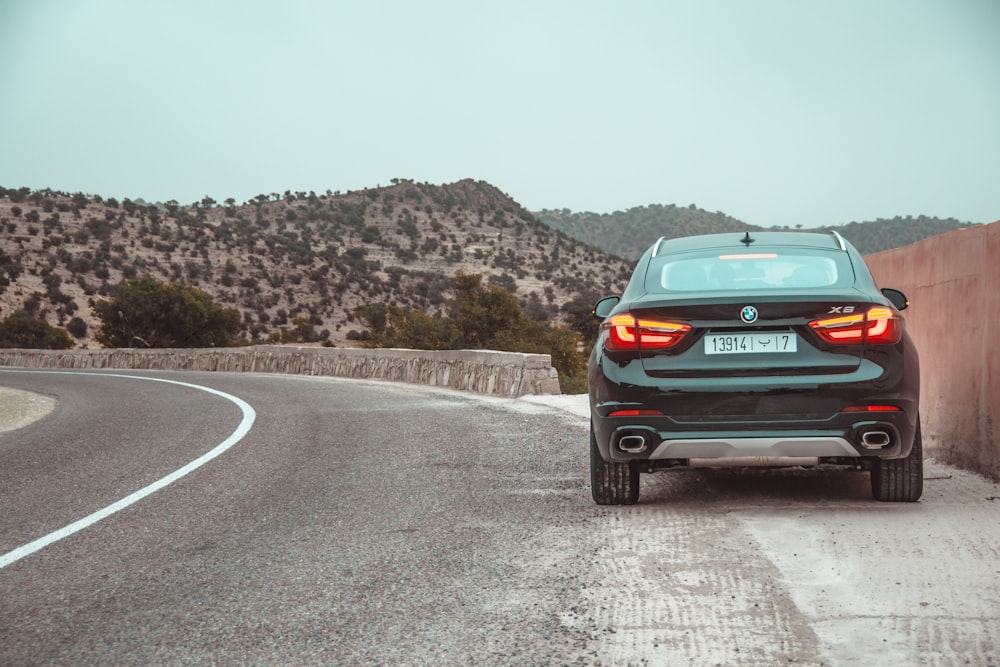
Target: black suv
{"points": [[770, 349]]}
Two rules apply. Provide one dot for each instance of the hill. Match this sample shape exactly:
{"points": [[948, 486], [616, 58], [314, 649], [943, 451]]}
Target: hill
{"points": [[276, 257], [627, 234], [280, 258]]}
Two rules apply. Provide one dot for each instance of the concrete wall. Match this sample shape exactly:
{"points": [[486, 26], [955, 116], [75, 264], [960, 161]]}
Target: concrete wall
{"points": [[499, 373], [953, 284]]}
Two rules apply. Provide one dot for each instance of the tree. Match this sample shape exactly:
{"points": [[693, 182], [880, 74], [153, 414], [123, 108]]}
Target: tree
{"points": [[579, 311], [149, 313], [392, 326], [485, 316], [10, 269], [478, 318], [24, 330]]}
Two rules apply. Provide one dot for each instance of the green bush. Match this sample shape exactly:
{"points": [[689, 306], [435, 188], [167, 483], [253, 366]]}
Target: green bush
{"points": [[148, 313], [392, 326], [485, 318], [77, 327], [24, 330]]}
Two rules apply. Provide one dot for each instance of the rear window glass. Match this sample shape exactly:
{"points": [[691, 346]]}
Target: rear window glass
{"points": [[791, 269]]}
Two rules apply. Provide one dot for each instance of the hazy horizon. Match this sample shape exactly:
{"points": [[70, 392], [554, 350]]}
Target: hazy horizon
{"points": [[775, 112]]}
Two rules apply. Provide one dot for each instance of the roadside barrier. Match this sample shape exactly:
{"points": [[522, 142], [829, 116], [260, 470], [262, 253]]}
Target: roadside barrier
{"points": [[509, 374]]}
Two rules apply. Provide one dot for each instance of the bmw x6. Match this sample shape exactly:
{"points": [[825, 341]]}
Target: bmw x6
{"points": [[763, 349]]}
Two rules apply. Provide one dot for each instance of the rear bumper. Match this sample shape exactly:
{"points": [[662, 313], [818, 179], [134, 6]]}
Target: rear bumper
{"points": [[683, 421], [843, 436], [743, 447]]}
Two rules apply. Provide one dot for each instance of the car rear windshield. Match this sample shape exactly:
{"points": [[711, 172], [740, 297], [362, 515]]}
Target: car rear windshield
{"points": [[792, 268]]}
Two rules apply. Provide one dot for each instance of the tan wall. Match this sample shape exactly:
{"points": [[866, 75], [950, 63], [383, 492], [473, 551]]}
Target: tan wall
{"points": [[499, 373], [953, 284]]}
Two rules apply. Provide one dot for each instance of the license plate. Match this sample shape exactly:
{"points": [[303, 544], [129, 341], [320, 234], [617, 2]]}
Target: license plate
{"points": [[750, 343]]}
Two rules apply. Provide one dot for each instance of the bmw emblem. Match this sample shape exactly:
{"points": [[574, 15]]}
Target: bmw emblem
{"points": [[748, 314]]}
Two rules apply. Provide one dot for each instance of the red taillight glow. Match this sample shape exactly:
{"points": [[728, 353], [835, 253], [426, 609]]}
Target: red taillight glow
{"points": [[872, 408], [625, 332], [878, 325], [636, 413]]}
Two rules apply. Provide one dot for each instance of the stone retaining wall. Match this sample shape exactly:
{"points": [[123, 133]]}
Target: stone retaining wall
{"points": [[508, 374]]}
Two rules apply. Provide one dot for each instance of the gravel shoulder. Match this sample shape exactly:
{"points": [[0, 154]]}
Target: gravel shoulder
{"points": [[21, 408]]}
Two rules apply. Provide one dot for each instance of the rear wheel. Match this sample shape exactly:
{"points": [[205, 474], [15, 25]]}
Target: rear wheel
{"points": [[612, 483], [900, 480]]}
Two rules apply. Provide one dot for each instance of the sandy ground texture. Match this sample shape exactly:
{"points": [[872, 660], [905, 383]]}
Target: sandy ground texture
{"points": [[876, 583], [20, 408]]}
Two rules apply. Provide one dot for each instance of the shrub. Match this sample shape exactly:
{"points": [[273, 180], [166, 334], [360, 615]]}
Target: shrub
{"points": [[392, 326], [154, 314], [478, 318], [24, 330], [77, 327]]}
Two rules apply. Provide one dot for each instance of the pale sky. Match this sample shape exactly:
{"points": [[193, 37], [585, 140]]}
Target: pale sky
{"points": [[777, 112]]}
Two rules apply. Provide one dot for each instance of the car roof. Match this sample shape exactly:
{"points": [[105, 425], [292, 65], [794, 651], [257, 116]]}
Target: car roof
{"points": [[745, 240]]}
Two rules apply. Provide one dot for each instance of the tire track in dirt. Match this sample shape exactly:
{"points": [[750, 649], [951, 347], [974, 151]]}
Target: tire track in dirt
{"points": [[912, 583], [681, 584]]}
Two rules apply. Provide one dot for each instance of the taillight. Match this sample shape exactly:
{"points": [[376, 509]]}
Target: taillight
{"points": [[625, 332], [878, 325]]}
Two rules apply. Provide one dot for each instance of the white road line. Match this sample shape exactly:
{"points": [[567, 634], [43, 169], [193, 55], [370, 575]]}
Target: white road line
{"points": [[249, 415]]}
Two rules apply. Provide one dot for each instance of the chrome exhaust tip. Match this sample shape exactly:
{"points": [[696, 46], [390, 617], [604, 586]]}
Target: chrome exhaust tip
{"points": [[632, 444], [875, 439]]}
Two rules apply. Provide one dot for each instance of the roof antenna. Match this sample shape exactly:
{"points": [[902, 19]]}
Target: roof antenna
{"points": [[746, 239]]}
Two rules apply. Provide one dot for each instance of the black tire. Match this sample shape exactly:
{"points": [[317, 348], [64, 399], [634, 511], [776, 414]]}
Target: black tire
{"points": [[612, 483], [900, 480]]}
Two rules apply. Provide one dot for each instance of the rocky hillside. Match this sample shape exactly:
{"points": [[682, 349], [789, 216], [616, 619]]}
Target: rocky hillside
{"points": [[628, 233], [280, 257]]}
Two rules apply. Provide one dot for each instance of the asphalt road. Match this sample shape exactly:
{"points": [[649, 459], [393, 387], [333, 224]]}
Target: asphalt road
{"points": [[347, 522]]}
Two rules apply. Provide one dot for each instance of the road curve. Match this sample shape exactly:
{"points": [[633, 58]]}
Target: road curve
{"points": [[370, 523], [246, 423]]}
